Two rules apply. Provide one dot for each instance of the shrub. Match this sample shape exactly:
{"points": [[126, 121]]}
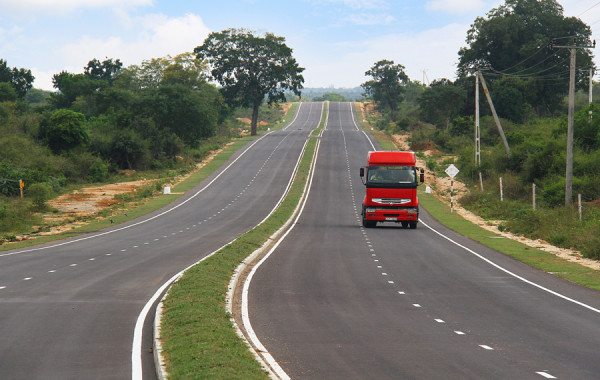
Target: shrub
{"points": [[39, 193]]}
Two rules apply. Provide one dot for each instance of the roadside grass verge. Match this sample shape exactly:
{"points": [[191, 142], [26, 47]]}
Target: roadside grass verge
{"points": [[134, 207], [534, 257], [197, 335]]}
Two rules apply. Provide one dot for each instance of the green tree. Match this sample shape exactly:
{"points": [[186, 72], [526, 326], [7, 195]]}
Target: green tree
{"points": [[190, 114], [20, 79], [515, 39], [387, 86], [7, 92], [106, 70], [65, 131], [251, 68], [441, 102]]}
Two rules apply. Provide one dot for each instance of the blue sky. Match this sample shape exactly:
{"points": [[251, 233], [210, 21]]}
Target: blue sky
{"points": [[336, 41]]}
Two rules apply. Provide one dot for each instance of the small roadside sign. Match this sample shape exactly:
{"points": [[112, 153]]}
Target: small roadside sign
{"points": [[452, 171]]}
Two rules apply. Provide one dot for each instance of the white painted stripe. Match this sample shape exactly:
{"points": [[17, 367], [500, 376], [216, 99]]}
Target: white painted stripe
{"points": [[546, 375], [245, 313], [2, 287], [145, 220], [486, 347], [459, 332], [416, 305], [27, 278], [52, 271], [440, 321], [390, 282], [511, 273], [136, 352], [400, 292]]}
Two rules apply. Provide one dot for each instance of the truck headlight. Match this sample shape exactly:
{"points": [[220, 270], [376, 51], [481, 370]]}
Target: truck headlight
{"points": [[412, 210], [370, 209]]}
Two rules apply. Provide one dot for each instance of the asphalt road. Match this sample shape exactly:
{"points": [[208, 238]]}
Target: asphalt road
{"points": [[339, 301], [68, 310]]}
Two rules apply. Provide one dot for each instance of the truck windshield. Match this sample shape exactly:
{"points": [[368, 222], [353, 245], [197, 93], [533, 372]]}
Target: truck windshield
{"points": [[393, 175]]}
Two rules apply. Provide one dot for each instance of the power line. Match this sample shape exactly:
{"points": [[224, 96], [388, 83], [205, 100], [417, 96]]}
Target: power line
{"points": [[590, 8]]}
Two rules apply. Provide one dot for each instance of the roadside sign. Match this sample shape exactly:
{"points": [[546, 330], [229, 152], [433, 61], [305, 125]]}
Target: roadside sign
{"points": [[452, 171]]}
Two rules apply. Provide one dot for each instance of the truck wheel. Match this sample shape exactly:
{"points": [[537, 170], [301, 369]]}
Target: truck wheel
{"points": [[368, 223], [412, 225]]}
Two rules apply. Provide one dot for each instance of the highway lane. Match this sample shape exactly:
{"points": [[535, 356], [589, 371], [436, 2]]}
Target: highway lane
{"points": [[336, 300], [69, 310]]}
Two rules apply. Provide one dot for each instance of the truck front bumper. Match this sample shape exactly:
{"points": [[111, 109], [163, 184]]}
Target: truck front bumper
{"points": [[396, 214]]}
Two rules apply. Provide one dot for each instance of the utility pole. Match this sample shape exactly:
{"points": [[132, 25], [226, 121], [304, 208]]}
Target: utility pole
{"points": [[489, 99], [569, 171], [477, 130]]}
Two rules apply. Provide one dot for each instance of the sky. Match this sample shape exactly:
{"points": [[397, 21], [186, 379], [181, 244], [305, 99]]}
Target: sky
{"points": [[336, 41]]}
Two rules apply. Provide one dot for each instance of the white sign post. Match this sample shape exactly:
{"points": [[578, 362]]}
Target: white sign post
{"points": [[452, 171]]}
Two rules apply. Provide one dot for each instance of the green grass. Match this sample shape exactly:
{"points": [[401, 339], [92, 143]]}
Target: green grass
{"points": [[197, 335]]}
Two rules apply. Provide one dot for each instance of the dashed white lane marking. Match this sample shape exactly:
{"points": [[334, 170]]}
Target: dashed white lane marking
{"points": [[416, 305], [109, 254], [27, 278], [401, 292], [2, 287], [73, 265], [123, 250], [93, 259], [486, 347], [459, 333], [390, 282], [52, 271], [439, 320], [546, 375], [384, 274]]}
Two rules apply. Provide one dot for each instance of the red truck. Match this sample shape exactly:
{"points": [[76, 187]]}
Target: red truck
{"points": [[391, 181]]}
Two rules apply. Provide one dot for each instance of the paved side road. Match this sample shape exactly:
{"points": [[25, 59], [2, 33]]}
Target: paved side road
{"points": [[68, 310], [336, 300]]}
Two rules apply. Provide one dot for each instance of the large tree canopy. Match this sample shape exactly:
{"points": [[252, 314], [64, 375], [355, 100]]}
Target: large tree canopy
{"points": [[251, 68], [515, 40], [20, 79], [387, 86]]}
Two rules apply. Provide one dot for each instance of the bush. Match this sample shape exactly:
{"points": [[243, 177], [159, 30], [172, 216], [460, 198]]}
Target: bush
{"points": [[39, 193]]}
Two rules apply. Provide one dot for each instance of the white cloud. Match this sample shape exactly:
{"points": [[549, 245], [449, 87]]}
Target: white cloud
{"points": [[456, 6], [158, 36], [356, 4], [24, 7], [370, 19], [434, 50]]}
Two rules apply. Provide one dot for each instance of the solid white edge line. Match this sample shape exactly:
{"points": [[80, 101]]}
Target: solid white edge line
{"points": [[511, 273], [136, 352], [245, 314], [145, 220], [360, 129]]}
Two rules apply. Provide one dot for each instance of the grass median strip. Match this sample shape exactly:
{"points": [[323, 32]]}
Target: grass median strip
{"points": [[197, 335]]}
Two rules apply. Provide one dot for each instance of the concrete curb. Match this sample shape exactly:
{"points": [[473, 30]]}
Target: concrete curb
{"points": [[157, 347]]}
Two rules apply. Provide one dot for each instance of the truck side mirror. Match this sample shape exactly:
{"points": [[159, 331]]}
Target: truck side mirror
{"points": [[422, 176], [362, 172]]}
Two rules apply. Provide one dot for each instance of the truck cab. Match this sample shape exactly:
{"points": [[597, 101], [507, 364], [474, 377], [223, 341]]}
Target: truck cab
{"points": [[391, 179]]}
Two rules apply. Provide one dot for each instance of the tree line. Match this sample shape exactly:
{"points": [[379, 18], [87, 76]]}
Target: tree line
{"points": [[515, 48]]}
